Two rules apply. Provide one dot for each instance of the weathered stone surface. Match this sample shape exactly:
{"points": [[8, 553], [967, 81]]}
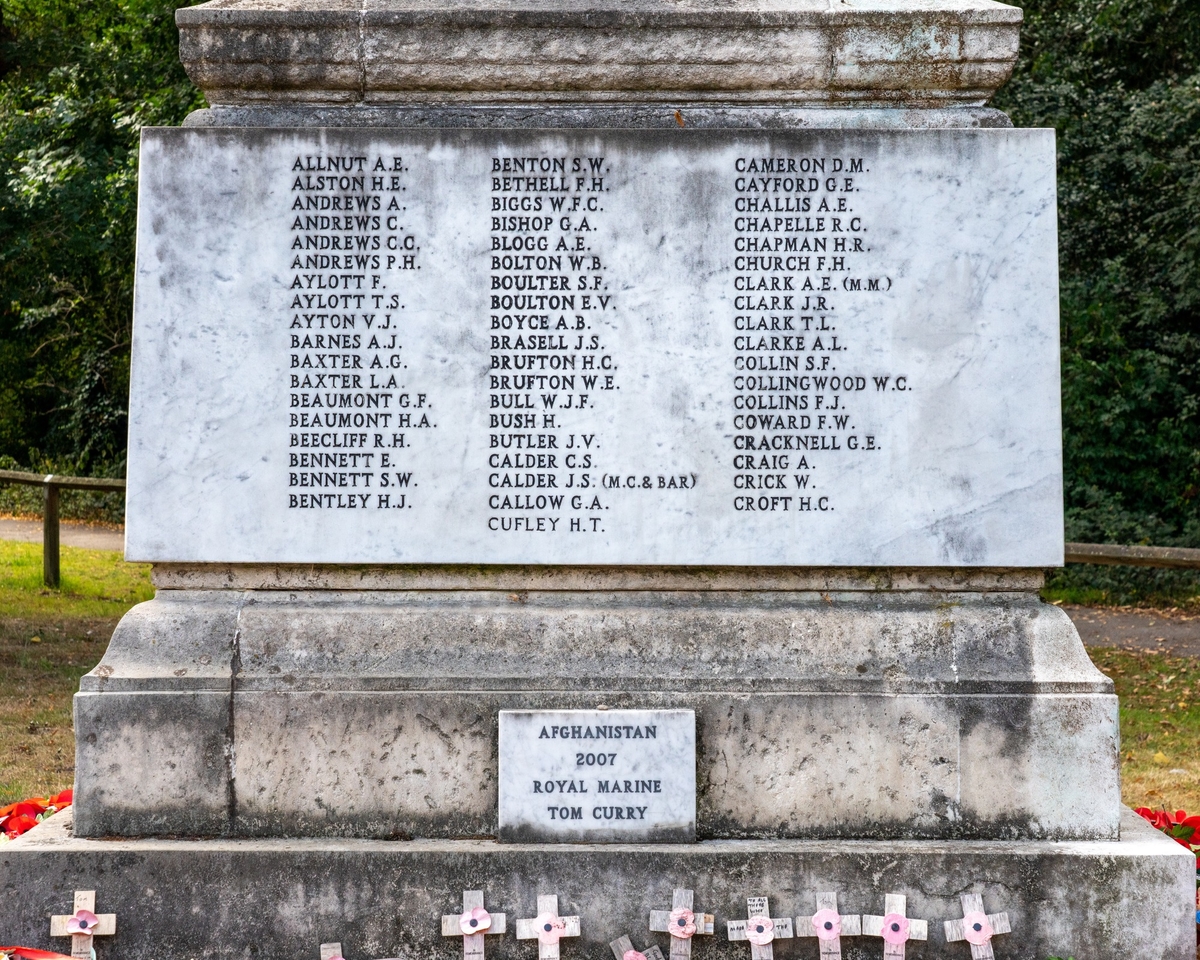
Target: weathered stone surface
{"points": [[377, 51], [685, 112], [820, 713], [279, 899]]}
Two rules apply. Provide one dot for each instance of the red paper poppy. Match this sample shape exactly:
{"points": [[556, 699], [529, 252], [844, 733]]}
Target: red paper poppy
{"points": [[17, 825]]}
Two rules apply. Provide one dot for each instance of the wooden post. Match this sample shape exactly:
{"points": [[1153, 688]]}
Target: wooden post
{"points": [[50, 565], [681, 923], [760, 929], [976, 927], [828, 926], [472, 924], [548, 927], [894, 926], [83, 924], [622, 949]]}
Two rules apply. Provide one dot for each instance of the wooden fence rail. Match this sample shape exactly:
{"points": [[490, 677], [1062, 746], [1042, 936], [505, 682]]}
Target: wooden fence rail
{"points": [[1177, 557], [51, 483]]}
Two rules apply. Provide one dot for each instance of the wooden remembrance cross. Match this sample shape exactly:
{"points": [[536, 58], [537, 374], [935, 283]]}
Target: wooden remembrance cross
{"points": [[622, 949], [83, 924], [548, 927], [760, 929], [895, 928], [976, 927], [473, 924], [828, 926], [681, 923]]}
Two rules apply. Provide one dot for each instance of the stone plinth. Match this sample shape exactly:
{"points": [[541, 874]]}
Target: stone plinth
{"points": [[279, 899], [829, 703]]}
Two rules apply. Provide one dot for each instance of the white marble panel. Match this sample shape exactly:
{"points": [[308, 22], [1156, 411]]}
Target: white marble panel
{"points": [[338, 366], [597, 775]]}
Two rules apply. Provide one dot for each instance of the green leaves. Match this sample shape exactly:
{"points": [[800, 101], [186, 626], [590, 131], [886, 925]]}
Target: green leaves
{"points": [[1120, 81], [79, 81]]}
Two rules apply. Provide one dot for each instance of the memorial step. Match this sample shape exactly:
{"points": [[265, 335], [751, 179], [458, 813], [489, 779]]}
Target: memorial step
{"points": [[282, 899]]}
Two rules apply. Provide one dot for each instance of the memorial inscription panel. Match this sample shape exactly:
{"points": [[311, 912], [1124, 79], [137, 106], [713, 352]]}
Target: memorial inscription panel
{"points": [[596, 347], [597, 775]]}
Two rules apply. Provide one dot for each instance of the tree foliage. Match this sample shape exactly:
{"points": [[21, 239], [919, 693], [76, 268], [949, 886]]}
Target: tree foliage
{"points": [[1120, 82], [77, 83]]}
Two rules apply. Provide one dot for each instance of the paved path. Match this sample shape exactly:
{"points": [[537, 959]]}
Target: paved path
{"points": [[1157, 630], [69, 534]]}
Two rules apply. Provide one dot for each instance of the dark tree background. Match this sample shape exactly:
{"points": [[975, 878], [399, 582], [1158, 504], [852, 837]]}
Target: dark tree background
{"points": [[1118, 79], [78, 79]]}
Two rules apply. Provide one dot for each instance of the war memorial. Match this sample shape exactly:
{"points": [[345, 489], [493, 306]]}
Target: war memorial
{"points": [[599, 460]]}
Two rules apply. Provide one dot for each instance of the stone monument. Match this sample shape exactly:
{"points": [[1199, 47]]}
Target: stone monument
{"points": [[594, 455]]}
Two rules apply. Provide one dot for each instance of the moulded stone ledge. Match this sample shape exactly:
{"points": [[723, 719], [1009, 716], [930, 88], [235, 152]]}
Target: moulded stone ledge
{"points": [[245, 51]]}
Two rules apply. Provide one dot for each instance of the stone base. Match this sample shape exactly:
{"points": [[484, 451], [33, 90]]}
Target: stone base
{"points": [[280, 899], [829, 705]]}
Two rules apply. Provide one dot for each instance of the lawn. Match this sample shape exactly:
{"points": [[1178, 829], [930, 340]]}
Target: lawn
{"points": [[50, 638], [1160, 727]]}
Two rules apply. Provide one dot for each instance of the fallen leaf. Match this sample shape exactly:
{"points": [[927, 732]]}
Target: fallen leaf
{"points": [[1161, 757]]}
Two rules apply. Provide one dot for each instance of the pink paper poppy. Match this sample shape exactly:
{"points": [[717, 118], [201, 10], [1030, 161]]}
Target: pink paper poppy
{"points": [[475, 920], [895, 929], [977, 928], [550, 928], [633, 955], [828, 924], [760, 930], [83, 922], [682, 924]]}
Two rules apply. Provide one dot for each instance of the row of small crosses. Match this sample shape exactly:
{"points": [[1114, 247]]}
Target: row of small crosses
{"points": [[760, 928], [896, 929]]}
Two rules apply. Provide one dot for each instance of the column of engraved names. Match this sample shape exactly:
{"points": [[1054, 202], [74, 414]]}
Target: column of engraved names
{"points": [[353, 416], [549, 364], [799, 247]]}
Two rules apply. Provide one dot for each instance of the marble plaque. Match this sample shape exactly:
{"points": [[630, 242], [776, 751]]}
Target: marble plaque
{"points": [[597, 775], [596, 347]]}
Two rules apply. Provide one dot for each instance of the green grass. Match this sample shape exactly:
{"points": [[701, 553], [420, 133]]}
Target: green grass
{"points": [[48, 640], [1160, 727], [95, 583], [1081, 596]]}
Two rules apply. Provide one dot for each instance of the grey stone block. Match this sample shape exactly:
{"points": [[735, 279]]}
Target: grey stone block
{"points": [[633, 116], [279, 899], [820, 713], [917, 54]]}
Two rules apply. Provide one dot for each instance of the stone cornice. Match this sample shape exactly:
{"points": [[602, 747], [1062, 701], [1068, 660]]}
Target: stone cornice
{"points": [[926, 53]]}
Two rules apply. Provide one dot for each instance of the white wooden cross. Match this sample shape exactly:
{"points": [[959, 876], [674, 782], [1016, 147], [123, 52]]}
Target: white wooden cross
{"points": [[622, 949], [895, 928], [681, 923], [84, 924], [976, 927], [760, 929], [331, 951], [548, 927], [473, 924], [828, 926]]}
